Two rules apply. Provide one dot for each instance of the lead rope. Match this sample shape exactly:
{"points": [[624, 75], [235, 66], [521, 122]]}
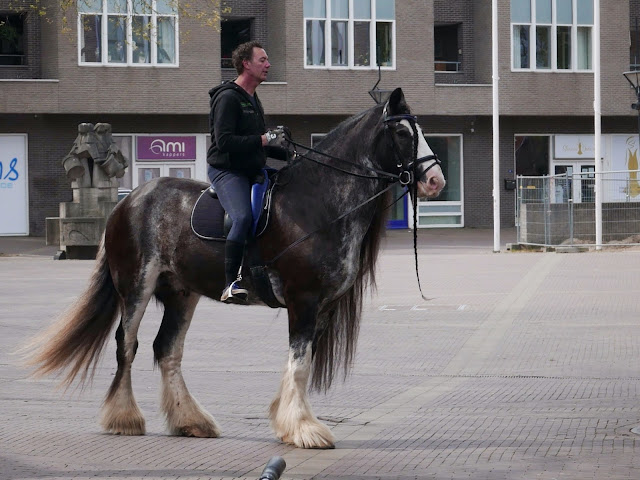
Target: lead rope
{"points": [[414, 201], [414, 198]]}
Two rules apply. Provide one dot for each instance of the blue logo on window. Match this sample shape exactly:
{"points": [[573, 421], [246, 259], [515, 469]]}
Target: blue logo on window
{"points": [[12, 174]]}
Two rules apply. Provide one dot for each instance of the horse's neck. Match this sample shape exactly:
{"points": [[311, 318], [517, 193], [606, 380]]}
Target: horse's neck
{"points": [[339, 192]]}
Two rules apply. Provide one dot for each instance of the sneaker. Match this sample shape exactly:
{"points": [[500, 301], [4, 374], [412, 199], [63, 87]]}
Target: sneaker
{"points": [[234, 293]]}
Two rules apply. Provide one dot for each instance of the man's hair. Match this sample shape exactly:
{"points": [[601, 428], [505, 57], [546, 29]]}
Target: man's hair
{"points": [[243, 52]]}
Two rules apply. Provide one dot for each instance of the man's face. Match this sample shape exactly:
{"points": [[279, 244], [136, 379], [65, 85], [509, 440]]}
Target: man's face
{"points": [[258, 67]]}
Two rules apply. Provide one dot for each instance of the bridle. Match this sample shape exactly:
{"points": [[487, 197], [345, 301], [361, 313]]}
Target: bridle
{"points": [[410, 171], [415, 168]]}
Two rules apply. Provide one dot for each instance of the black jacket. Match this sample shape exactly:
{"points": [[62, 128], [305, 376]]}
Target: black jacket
{"points": [[236, 127]]}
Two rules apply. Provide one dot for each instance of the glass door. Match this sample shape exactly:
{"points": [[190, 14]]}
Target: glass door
{"points": [[563, 188], [574, 182]]}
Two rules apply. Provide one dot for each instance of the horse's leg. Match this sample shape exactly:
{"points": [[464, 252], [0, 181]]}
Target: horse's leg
{"points": [[184, 414], [290, 412], [120, 412]]}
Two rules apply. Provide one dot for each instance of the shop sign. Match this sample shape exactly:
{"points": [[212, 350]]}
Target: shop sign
{"points": [[166, 148], [14, 197], [574, 146]]}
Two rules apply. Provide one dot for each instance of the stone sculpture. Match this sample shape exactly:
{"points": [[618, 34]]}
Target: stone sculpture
{"points": [[93, 165]]}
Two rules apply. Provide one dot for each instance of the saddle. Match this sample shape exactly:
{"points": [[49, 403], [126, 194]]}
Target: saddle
{"points": [[209, 221]]}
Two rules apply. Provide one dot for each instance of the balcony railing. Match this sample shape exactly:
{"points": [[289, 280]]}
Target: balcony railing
{"points": [[441, 66]]}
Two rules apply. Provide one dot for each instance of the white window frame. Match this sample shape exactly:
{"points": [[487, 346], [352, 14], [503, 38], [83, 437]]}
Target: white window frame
{"points": [[104, 62], [373, 61], [532, 24]]}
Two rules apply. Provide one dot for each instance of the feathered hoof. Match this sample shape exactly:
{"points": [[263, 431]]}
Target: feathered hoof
{"points": [[130, 425], [210, 430], [310, 435]]}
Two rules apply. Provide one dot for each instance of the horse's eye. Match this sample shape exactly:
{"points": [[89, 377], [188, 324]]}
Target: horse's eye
{"points": [[403, 133]]}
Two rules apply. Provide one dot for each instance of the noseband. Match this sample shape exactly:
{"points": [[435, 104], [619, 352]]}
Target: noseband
{"points": [[415, 168]]}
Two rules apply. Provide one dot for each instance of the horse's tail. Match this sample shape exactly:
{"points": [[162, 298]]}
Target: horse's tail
{"points": [[335, 345], [77, 339]]}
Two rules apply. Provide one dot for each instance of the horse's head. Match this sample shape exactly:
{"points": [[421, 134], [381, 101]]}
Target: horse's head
{"points": [[414, 159]]}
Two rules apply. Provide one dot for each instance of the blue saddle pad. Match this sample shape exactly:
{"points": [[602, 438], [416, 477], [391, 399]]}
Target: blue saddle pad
{"points": [[208, 216]]}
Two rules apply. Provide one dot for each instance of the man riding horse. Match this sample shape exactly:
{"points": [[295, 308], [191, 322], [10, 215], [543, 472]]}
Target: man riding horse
{"points": [[237, 153]]}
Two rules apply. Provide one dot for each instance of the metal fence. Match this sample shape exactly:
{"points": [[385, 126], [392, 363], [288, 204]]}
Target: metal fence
{"points": [[560, 209]]}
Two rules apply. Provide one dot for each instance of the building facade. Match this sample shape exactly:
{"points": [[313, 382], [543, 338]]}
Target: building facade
{"points": [[147, 69]]}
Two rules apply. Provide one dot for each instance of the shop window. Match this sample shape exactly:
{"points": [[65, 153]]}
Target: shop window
{"points": [[12, 48], [122, 32], [446, 49], [232, 34]]}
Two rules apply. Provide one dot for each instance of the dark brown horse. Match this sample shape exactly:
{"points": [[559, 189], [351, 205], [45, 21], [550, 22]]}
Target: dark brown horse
{"points": [[150, 250]]}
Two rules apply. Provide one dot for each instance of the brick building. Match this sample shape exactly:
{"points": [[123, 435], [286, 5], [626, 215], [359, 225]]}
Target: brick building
{"points": [[324, 57]]}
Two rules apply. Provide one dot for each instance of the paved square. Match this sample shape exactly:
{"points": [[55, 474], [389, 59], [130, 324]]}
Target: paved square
{"points": [[519, 366]]}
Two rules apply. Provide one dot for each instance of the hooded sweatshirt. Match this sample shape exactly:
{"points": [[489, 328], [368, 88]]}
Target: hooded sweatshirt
{"points": [[236, 124]]}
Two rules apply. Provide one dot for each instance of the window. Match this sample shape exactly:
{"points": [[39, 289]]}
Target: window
{"points": [[551, 35], [12, 48], [446, 48], [532, 155], [128, 32], [232, 34], [446, 210], [634, 50], [349, 33]]}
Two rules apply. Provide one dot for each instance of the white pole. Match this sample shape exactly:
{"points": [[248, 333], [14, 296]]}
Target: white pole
{"points": [[496, 126], [597, 121]]}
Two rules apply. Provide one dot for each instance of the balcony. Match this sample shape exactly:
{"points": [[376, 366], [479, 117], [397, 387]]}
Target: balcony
{"points": [[443, 66]]}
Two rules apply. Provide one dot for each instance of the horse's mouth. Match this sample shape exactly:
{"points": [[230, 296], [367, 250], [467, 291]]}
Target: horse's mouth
{"points": [[431, 188]]}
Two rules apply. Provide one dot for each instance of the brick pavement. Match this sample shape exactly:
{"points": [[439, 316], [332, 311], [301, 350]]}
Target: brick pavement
{"points": [[520, 366]]}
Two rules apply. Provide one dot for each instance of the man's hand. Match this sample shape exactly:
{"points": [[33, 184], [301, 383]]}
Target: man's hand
{"points": [[277, 144], [276, 138]]}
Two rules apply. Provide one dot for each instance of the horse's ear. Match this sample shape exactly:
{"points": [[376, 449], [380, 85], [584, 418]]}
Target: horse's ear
{"points": [[396, 103]]}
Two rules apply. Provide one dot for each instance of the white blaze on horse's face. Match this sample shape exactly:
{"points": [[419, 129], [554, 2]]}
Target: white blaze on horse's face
{"points": [[432, 182]]}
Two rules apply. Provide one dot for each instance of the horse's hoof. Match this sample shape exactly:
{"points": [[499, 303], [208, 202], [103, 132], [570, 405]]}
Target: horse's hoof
{"points": [[311, 436], [130, 428], [208, 431]]}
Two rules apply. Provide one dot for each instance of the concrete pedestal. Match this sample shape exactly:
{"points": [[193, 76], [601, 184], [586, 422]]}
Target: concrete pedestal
{"points": [[78, 230]]}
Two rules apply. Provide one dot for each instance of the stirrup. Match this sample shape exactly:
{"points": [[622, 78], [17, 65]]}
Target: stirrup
{"points": [[234, 293]]}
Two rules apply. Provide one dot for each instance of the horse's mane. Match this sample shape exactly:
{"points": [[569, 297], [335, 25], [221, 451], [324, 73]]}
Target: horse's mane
{"points": [[343, 127], [335, 344]]}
